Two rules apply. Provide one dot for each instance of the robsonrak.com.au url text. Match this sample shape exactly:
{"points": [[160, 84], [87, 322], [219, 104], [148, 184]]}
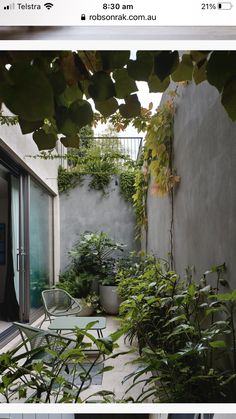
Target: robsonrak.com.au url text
{"points": [[123, 17]]}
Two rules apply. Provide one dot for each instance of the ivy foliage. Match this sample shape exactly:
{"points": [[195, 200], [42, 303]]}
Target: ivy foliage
{"points": [[49, 90], [158, 149], [101, 160], [127, 184], [8, 120]]}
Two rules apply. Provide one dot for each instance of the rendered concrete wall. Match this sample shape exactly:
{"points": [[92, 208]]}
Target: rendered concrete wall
{"points": [[205, 201], [83, 209]]}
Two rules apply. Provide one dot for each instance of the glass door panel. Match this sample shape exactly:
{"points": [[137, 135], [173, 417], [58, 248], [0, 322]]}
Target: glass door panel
{"points": [[41, 249]]}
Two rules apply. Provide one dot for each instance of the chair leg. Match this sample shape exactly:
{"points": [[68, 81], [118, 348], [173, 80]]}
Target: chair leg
{"points": [[44, 320]]}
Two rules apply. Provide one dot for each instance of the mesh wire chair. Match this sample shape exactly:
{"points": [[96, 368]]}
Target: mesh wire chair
{"points": [[36, 341], [58, 302]]}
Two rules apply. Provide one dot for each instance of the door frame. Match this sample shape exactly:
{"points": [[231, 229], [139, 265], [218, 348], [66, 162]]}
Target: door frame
{"points": [[23, 250]]}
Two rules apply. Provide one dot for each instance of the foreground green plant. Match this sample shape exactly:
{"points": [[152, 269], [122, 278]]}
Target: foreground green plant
{"points": [[185, 331], [24, 378], [63, 81]]}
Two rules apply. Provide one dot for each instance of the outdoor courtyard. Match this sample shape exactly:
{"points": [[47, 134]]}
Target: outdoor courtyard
{"points": [[117, 232]]}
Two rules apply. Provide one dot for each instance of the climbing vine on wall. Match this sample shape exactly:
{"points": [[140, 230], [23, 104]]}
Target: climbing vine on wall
{"points": [[158, 150], [157, 165], [101, 160], [127, 184], [67, 180], [140, 203]]}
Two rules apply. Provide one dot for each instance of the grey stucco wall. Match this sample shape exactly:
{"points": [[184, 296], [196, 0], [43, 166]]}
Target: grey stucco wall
{"points": [[82, 209], [205, 200]]}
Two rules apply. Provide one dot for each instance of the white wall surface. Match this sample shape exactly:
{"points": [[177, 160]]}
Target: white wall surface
{"points": [[20, 147]]}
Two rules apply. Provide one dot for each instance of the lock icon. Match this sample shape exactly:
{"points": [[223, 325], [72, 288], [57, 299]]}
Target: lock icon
{"points": [[83, 17]]}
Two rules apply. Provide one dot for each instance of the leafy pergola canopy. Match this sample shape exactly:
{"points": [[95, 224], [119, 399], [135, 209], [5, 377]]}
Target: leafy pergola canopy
{"points": [[49, 90]]}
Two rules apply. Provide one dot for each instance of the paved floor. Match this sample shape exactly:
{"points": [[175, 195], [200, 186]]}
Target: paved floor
{"points": [[116, 33]]}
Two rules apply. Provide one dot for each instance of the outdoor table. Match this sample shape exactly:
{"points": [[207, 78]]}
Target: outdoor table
{"points": [[61, 324]]}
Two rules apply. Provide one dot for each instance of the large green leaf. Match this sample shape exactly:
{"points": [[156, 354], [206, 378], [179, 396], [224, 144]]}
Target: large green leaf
{"points": [[131, 108], [107, 107], [44, 141], [70, 95], [125, 85], [72, 141], [165, 63], [70, 121], [29, 126], [199, 56], [65, 125], [156, 85], [184, 71], [220, 68], [101, 87], [114, 59], [81, 113], [228, 98], [217, 344], [141, 68], [29, 93], [199, 72], [58, 82]]}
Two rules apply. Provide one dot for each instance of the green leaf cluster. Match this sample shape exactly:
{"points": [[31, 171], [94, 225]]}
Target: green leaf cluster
{"points": [[94, 254], [49, 91], [58, 370], [101, 160], [158, 149], [185, 331]]}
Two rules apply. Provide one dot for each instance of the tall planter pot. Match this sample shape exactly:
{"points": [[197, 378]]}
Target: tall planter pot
{"points": [[109, 298]]}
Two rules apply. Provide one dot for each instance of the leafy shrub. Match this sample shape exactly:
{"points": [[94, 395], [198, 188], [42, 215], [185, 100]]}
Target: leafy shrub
{"points": [[94, 253], [185, 331], [78, 285]]}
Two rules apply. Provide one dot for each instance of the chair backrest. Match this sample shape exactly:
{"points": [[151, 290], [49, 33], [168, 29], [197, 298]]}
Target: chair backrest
{"points": [[56, 299], [31, 335]]}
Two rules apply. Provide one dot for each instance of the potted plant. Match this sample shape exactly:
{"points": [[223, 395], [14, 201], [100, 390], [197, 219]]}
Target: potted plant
{"points": [[96, 253], [89, 304], [109, 298], [80, 286]]}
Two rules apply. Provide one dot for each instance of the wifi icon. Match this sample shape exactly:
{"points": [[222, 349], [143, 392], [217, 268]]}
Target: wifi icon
{"points": [[48, 5]]}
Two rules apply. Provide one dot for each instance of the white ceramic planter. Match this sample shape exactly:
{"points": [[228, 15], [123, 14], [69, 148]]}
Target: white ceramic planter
{"points": [[86, 311], [109, 298]]}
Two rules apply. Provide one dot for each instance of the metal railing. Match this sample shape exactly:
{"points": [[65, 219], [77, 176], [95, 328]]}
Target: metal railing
{"points": [[129, 146]]}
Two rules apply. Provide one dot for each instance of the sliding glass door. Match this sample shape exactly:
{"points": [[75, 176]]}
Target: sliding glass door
{"points": [[41, 244], [26, 242], [13, 244]]}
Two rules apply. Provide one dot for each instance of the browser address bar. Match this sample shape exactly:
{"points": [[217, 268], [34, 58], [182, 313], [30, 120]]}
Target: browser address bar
{"points": [[119, 13]]}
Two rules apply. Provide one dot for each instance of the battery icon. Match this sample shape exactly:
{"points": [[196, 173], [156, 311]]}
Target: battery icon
{"points": [[225, 5]]}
